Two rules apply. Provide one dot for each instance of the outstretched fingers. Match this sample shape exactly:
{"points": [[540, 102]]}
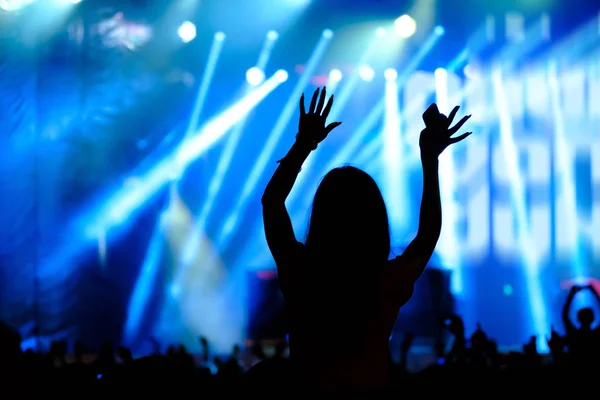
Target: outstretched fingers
{"points": [[313, 101], [321, 101], [331, 127], [458, 125], [460, 137], [452, 115], [302, 109], [328, 107]]}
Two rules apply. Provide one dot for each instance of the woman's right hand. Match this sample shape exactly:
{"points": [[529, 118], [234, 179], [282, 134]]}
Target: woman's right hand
{"points": [[311, 127]]}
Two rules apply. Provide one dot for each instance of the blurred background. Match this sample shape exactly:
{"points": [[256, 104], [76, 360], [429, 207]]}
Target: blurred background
{"points": [[138, 136]]}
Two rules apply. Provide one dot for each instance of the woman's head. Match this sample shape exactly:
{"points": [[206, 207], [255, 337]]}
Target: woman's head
{"points": [[349, 219]]}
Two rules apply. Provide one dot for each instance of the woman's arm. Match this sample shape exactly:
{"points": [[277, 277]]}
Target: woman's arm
{"points": [[278, 225], [430, 221], [433, 141]]}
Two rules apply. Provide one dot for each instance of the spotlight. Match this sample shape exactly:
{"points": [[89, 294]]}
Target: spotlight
{"points": [[366, 73], [13, 5], [405, 26], [327, 33], [187, 32], [439, 30], [220, 36], [335, 75], [255, 76], [440, 72], [390, 74], [75, 1], [272, 35], [281, 75], [380, 32]]}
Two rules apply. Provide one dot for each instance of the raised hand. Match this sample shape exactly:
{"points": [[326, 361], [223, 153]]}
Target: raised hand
{"points": [[578, 288], [311, 127], [437, 136]]}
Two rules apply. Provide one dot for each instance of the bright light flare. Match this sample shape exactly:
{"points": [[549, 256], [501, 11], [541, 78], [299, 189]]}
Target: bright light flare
{"points": [[281, 76], [255, 76], [390, 74], [405, 26], [187, 32], [220, 36], [335, 75], [366, 73]]}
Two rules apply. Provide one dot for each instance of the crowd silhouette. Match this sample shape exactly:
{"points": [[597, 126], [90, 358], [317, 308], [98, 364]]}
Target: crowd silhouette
{"points": [[340, 323]]}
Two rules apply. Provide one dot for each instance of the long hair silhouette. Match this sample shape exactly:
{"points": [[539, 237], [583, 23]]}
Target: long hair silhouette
{"points": [[348, 242], [349, 220]]}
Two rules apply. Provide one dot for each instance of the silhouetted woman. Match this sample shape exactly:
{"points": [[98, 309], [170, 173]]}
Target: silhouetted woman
{"points": [[342, 294]]}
